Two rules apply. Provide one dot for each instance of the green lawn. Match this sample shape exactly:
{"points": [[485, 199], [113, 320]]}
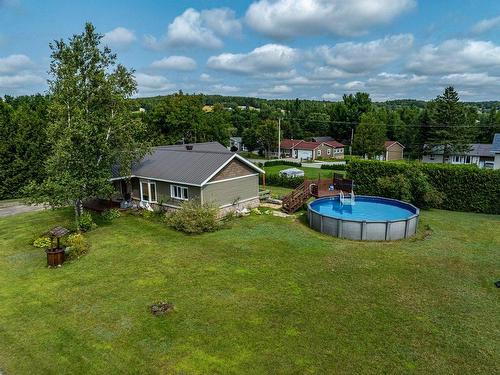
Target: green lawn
{"points": [[310, 173], [277, 192], [266, 296]]}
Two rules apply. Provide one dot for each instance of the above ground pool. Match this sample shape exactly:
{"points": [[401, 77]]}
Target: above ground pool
{"points": [[364, 218]]}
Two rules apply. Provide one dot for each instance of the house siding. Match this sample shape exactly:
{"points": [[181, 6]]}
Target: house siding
{"points": [[235, 168], [394, 152], [232, 191], [163, 192]]}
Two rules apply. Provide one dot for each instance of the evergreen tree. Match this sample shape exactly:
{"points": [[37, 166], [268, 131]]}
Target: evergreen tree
{"points": [[452, 125]]}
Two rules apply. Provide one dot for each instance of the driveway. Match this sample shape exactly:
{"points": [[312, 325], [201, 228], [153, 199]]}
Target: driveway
{"points": [[12, 207]]}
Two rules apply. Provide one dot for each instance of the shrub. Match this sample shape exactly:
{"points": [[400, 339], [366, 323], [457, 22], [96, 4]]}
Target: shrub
{"points": [[86, 222], [335, 167], [283, 181], [446, 186], [111, 214], [77, 246], [397, 187], [271, 163], [147, 214], [194, 218], [42, 242]]}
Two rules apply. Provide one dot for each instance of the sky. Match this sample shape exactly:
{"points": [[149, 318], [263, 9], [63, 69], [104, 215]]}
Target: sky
{"points": [[311, 49]]}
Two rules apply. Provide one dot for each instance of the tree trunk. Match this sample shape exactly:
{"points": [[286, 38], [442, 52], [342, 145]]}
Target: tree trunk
{"points": [[78, 212]]}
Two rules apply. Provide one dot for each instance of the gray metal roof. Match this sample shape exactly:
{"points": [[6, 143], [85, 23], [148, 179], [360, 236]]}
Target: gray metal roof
{"points": [[322, 139], [495, 147], [476, 149], [176, 163]]}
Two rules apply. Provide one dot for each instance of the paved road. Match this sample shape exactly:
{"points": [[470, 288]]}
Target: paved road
{"points": [[10, 208]]}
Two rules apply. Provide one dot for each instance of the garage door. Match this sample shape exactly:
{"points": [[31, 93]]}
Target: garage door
{"points": [[304, 154]]}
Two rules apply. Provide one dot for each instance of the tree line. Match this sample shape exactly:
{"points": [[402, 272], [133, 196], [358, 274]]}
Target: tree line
{"points": [[61, 146]]}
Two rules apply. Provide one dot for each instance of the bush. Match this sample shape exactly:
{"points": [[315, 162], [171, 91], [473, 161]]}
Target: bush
{"points": [[335, 167], [194, 218], [283, 181], [77, 246], [271, 163], [42, 242], [147, 214], [86, 222], [446, 186], [111, 214], [397, 187]]}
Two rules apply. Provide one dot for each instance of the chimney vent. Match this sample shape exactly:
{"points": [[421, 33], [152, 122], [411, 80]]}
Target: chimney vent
{"points": [[189, 147]]}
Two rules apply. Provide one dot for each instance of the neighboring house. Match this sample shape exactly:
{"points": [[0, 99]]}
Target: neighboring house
{"points": [[300, 149], [322, 139], [495, 150], [205, 172], [479, 154], [236, 144], [393, 151]]}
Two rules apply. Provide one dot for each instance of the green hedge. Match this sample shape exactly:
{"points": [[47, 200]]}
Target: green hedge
{"points": [[334, 167], [283, 181], [270, 163], [464, 187]]}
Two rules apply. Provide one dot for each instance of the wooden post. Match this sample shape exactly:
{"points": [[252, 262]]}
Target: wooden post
{"points": [[264, 180]]}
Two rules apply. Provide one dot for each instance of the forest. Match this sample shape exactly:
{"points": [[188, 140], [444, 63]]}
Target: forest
{"points": [[25, 140]]}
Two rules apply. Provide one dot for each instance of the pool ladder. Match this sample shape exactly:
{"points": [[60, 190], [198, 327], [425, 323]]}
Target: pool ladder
{"points": [[347, 201]]}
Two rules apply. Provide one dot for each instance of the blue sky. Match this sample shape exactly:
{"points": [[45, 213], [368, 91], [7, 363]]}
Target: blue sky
{"points": [[317, 49]]}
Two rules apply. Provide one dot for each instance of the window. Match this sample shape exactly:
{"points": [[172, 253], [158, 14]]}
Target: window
{"points": [[179, 192], [148, 191], [319, 152]]}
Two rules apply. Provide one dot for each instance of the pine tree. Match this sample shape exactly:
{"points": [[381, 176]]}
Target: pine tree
{"points": [[452, 125]]}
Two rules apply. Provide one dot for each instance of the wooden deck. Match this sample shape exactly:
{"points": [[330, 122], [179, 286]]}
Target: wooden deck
{"points": [[100, 205]]}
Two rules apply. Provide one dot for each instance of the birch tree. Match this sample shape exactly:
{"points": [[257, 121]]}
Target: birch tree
{"points": [[91, 126]]}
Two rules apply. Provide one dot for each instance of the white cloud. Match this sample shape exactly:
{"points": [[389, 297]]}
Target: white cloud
{"points": [[119, 37], [486, 25], [20, 81], [361, 57], [354, 85], [148, 83], [14, 63], [456, 56], [278, 89], [393, 80], [198, 29], [471, 80], [175, 63], [206, 77], [268, 58], [224, 89], [288, 18], [222, 21], [330, 96]]}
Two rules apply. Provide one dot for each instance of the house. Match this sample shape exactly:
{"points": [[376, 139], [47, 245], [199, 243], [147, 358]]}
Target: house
{"points": [[322, 139], [393, 151], [495, 150], [300, 149], [236, 144], [479, 154], [205, 172]]}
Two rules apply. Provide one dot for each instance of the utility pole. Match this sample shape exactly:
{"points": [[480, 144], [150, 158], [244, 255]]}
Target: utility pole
{"points": [[352, 136], [279, 137]]}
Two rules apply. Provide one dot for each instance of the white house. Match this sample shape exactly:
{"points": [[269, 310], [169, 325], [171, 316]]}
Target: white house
{"points": [[479, 154]]}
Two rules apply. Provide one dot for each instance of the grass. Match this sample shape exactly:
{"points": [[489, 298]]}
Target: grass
{"points": [[277, 192], [309, 173], [267, 295]]}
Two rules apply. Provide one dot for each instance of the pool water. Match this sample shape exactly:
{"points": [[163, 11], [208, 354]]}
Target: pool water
{"points": [[364, 209]]}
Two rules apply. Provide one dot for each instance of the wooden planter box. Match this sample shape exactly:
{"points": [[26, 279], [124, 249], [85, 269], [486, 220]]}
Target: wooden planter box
{"points": [[55, 257]]}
